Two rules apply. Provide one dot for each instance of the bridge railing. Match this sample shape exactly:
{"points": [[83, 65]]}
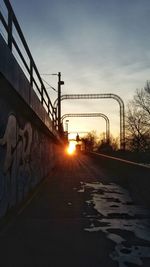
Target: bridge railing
{"points": [[16, 41]]}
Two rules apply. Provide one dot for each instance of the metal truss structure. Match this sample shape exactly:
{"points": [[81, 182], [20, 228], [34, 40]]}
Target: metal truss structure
{"points": [[91, 115], [103, 96]]}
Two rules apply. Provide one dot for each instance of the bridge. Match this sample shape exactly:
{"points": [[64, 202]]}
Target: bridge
{"points": [[87, 209]]}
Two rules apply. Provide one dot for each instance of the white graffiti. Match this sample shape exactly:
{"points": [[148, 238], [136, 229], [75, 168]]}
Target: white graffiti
{"points": [[13, 135], [16, 167]]}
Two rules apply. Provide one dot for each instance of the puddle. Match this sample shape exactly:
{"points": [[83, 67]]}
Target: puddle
{"points": [[126, 224]]}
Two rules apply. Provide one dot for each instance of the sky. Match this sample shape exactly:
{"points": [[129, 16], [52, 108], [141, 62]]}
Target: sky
{"points": [[99, 46]]}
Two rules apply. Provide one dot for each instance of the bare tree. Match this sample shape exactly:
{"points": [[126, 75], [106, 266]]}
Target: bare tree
{"points": [[138, 122], [142, 101], [90, 141], [108, 146]]}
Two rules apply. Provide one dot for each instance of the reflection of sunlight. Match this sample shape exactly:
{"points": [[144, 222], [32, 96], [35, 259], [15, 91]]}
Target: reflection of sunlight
{"points": [[71, 148]]}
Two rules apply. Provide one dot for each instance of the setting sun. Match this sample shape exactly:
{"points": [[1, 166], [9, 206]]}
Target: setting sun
{"points": [[71, 148]]}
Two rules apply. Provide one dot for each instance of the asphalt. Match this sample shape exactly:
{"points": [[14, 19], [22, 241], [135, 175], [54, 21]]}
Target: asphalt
{"points": [[79, 217]]}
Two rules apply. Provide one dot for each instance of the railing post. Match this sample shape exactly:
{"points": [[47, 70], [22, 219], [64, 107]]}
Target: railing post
{"points": [[55, 117], [42, 96], [48, 107], [31, 73], [10, 20]]}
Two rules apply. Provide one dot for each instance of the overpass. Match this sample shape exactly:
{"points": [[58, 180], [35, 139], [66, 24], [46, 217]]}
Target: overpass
{"points": [[59, 210]]}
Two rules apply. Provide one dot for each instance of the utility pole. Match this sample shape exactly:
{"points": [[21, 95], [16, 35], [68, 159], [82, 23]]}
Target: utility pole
{"points": [[57, 112], [59, 102]]}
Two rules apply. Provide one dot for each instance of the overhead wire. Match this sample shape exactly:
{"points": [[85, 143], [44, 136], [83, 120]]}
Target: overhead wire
{"points": [[49, 85]]}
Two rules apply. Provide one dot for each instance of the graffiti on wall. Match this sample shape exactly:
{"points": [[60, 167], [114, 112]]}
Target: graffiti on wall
{"points": [[26, 156], [15, 169]]}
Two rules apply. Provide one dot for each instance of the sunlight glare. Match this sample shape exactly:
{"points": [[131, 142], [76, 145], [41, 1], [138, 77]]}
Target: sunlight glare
{"points": [[71, 148]]}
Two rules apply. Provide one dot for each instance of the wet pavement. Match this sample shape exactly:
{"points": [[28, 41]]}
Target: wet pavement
{"points": [[123, 222], [79, 217]]}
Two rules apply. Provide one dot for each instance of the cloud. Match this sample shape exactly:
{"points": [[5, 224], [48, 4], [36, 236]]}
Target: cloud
{"points": [[99, 46]]}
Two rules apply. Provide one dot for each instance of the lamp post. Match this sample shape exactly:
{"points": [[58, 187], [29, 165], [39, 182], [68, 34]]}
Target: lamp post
{"points": [[66, 125], [66, 130], [58, 111], [59, 102]]}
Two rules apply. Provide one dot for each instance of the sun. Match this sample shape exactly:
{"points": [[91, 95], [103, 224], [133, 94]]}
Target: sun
{"points": [[71, 148]]}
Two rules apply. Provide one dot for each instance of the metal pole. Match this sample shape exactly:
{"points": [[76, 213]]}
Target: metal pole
{"points": [[59, 102], [67, 129]]}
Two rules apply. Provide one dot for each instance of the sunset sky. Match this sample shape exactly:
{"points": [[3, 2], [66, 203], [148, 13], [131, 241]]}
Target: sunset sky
{"points": [[99, 46]]}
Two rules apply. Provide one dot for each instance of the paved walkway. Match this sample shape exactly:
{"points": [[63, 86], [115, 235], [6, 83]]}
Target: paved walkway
{"points": [[79, 218]]}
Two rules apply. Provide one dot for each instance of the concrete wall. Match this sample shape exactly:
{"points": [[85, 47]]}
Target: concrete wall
{"points": [[28, 144], [133, 176]]}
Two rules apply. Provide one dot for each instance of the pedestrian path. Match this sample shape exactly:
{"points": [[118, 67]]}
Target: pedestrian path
{"points": [[78, 218]]}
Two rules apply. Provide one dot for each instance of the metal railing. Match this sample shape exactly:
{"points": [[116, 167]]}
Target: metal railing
{"points": [[10, 23]]}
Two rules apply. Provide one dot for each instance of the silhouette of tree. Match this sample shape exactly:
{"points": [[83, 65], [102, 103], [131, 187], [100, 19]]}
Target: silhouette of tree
{"points": [[105, 146], [138, 120], [90, 141], [142, 101]]}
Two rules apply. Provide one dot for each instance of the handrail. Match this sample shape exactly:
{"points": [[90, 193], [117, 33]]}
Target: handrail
{"points": [[11, 41], [122, 160]]}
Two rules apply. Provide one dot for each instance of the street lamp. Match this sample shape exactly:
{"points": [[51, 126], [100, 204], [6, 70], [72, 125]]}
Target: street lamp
{"points": [[59, 102], [66, 130], [59, 99], [67, 125]]}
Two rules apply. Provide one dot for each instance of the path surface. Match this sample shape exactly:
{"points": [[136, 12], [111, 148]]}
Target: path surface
{"points": [[79, 218]]}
